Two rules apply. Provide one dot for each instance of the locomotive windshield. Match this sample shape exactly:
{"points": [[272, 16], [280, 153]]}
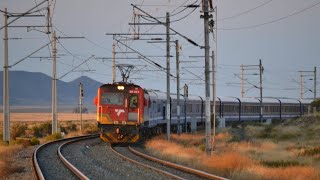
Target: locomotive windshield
{"points": [[112, 98]]}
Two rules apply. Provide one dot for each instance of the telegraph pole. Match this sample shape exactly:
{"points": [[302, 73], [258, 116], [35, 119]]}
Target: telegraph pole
{"points": [[113, 62], [168, 114], [207, 75], [54, 84], [261, 103], [315, 83], [6, 112], [178, 85], [242, 80], [80, 104]]}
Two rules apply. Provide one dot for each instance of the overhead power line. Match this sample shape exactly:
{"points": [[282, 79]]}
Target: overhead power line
{"points": [[245, 12], [272, 21]]}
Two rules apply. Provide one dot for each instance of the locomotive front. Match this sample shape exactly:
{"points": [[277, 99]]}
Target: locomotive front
{"points": [[119, 112]]}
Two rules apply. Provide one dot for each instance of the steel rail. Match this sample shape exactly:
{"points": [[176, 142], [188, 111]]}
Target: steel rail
{"points": [[146, 166], [76, 171], [36, 168], [177, 166]]}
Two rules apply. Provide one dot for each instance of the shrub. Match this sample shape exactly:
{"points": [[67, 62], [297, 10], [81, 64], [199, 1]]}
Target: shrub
{"points": [[18, 130], [310, 151], [34, 141], [202, 147], [90, 128], [23, 141], [71, 127], [54, 136], [42, 129], [280, 163]]}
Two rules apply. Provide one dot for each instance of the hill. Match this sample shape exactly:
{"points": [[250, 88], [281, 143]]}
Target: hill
{"points": [[34, 88]]}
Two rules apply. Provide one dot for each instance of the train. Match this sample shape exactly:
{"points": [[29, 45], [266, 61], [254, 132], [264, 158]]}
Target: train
{"points": [[127, 112]]}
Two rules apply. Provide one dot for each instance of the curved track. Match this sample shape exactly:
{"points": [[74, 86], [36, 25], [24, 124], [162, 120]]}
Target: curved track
{"points": [[48, 162], [171, 170]]}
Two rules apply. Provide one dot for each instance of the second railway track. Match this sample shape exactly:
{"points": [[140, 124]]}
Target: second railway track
{"points": [[169, 169], [47, 164]]}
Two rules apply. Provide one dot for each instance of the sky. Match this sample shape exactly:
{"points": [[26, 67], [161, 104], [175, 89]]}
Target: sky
{"points": [[284, 34]]}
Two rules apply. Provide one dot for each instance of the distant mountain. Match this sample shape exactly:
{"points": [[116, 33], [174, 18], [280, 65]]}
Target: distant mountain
{"points": [[33, 88]]}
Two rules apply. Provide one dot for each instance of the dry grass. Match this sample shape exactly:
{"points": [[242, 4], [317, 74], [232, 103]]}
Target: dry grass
{"points": [[193, 155], [35, 117], [287, 173], [236, 160], [6, 164]]}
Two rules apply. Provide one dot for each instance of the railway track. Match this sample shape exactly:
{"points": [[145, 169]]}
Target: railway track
{"points": [[171, 170], [54, 160], [49, 163]]}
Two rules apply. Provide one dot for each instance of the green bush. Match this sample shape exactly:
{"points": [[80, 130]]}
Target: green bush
{"points": [[18, 130], [310, 151], [280, 163], [54, 136], [202, 147], [42, 129], [34, 141]]}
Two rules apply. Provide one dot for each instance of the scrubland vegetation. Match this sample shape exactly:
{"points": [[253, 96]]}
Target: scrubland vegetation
{"points": [[286, 150], [25, 134]]}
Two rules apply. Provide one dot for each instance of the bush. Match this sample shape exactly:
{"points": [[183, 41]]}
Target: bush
{"points": [[42, 129], [23, 141], [18, 130], [71, 127], [54, 136], [316, 103], [310, 151], [34, 141], [280, 163], [90, 128]]}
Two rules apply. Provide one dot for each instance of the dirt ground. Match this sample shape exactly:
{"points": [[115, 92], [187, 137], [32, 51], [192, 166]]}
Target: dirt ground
{"points": [[22, 162]]}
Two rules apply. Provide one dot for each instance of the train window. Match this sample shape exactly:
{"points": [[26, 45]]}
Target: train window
{"points": [[189, 108], [112, 98], [198, 108], [133, 101]]}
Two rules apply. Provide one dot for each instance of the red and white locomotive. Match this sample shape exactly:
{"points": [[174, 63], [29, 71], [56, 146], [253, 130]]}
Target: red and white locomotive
{"points": [[120, 109]]}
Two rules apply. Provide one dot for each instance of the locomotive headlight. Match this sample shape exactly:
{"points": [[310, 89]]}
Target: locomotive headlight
{"points": [[120, 87]]}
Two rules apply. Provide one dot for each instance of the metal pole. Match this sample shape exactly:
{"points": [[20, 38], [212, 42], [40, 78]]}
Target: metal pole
{"points": [[214, 65], [54, 85], [214, 97], [113, 62], [300, 85], [168, 114], [242, 80], [261, 103], [207, 76], [6, 110], [315, 83], [178, 85], [80, 104]]}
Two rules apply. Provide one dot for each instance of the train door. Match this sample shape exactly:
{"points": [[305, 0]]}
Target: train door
{"points": [[133, 107]]}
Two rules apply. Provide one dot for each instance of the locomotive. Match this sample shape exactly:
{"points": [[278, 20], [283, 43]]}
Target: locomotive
{"points": [[126, 112]]}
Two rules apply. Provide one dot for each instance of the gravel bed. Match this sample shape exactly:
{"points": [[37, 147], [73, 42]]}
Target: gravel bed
{"points": [[95, 159], [50, 164], [125, 151]]}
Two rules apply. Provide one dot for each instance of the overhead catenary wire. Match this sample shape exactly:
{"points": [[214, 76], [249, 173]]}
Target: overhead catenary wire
{"points": [[245, 12], [272, 21]]}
